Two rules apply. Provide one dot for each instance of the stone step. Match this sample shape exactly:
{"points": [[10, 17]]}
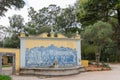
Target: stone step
{"points": [[51, 71]]}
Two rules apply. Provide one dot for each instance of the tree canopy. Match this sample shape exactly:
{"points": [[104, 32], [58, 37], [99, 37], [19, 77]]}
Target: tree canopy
{"points": [[7, 4], [98, 34], [16, 26], [62, 20], [91, 11]]}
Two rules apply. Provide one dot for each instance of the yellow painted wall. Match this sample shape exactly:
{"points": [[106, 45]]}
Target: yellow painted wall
{"points": [[85, 63], [17, 57], [30, 43], [42, 40]]}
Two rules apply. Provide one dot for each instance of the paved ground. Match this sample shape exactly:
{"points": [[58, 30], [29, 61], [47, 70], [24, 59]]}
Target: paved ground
{"points": [[7, 71], [114, 74]]}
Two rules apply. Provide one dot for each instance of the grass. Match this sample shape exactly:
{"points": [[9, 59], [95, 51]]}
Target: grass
{"points": [[5, 77]]}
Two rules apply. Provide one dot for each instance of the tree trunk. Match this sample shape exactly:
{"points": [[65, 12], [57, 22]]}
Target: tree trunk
{"points": [[118, 14]]}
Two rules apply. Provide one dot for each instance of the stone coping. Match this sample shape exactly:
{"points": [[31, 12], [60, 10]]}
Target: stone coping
{"points": [[52, 71], [49, 38], [64, 68]]}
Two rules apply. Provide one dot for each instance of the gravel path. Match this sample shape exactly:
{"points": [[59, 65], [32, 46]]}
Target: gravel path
{"points": [[114, 74]]}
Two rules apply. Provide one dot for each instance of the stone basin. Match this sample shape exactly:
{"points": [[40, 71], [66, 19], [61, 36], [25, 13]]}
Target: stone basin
{"points": [[52, 71]]}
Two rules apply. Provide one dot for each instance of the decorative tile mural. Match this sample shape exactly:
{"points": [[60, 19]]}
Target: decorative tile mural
{"points": [[46, 56]]}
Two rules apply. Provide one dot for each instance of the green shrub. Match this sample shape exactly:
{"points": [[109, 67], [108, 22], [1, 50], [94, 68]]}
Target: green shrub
{"points": [[5, 77]]}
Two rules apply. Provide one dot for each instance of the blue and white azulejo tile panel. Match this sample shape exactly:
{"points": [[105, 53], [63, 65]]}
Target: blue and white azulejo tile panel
{"points": [[46, 56]]}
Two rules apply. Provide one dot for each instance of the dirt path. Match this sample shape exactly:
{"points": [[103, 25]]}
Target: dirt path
{"points": [[114, 74]]}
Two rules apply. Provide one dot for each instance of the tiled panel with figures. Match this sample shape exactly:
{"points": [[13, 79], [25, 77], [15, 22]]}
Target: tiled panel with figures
{"points": [[46, 56]]}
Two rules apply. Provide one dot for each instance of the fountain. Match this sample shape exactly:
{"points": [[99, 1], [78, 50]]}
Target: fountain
{"points": [[50, 56]]}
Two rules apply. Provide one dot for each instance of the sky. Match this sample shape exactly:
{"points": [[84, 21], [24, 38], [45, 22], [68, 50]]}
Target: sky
{"points": [[36, 4]]}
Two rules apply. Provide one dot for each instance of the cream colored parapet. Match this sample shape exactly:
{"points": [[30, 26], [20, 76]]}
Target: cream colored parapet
{"points": [[77, 35], [44, 35], [52, 32], [22, 34], [60, 36], [52, 35]]}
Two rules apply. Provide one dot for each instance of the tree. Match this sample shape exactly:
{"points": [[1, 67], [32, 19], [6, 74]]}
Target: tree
{"points": [[12, 42], [66, 19], [45, 17], [6, 4], [16, 26], [16, 23], [4, 32], [88, 51], [62, 20], [91, 11], [98, 35], [94, 10]]}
